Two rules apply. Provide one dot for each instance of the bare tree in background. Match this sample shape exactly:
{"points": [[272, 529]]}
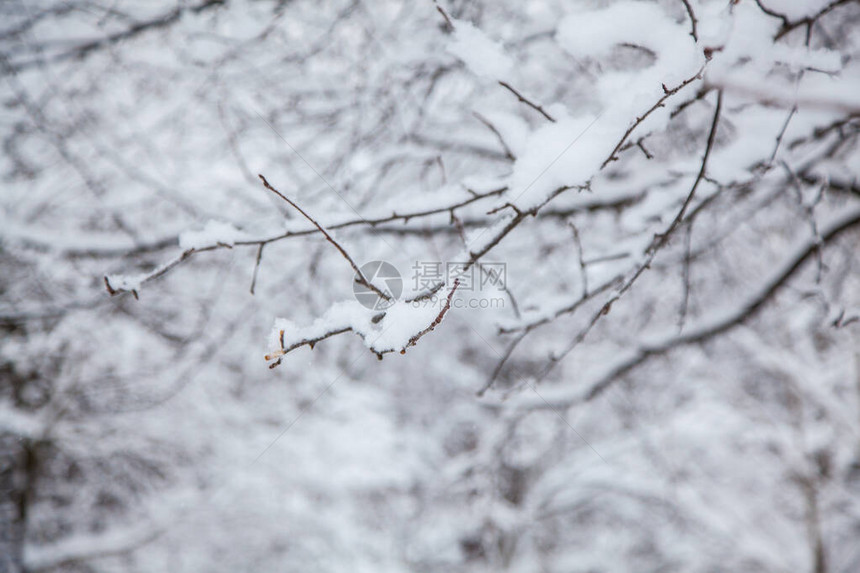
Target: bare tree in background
{"points": [[672, 379]]}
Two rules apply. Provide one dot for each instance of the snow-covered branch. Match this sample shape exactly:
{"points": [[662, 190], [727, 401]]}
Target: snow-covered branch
{"points": [[716, 322]]}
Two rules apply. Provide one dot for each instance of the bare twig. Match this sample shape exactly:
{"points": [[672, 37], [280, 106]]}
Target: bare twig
{"points": [[526, 101], [445, 15], [566, 309], [700, 95], [278, 355], [508, 153], [158, 272], [414, 340], [773, 13], [660, 240], [475, 256], [581, 257], [808, 210], [359, 276], [693, 20], [667, 93], [502, 83], [641, 145], [839, 127], [781, 135], [501, 364], [526, 329], [257, 266]]}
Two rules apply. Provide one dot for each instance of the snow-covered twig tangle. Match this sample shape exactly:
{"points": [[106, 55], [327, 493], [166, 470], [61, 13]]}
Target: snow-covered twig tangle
{"points": [[719, 321]]}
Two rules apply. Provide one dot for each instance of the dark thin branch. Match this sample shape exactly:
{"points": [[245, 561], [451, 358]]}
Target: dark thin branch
{"points": [[526, 101], [359, 276], [600, 204], [667, 93], [660, 240], [566, 309], [641, 146], [508, 153], [781, 135], [700, 95], [501, 364], [310, 342], [839, 126], [452, 144], [257, 266], [832, 184], [693, 20], [159, 272], [528, 328], [474, 257], [808, 211], [445, 16], [43, 243], [404, 217], [772, 13], [581, 258], [414, 340]]}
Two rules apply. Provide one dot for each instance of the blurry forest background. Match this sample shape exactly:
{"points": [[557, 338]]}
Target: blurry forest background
{"points": [[671, 384]]}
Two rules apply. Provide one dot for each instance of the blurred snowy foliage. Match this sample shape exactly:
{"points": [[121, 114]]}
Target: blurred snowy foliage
{"points": [[671, 383]]}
